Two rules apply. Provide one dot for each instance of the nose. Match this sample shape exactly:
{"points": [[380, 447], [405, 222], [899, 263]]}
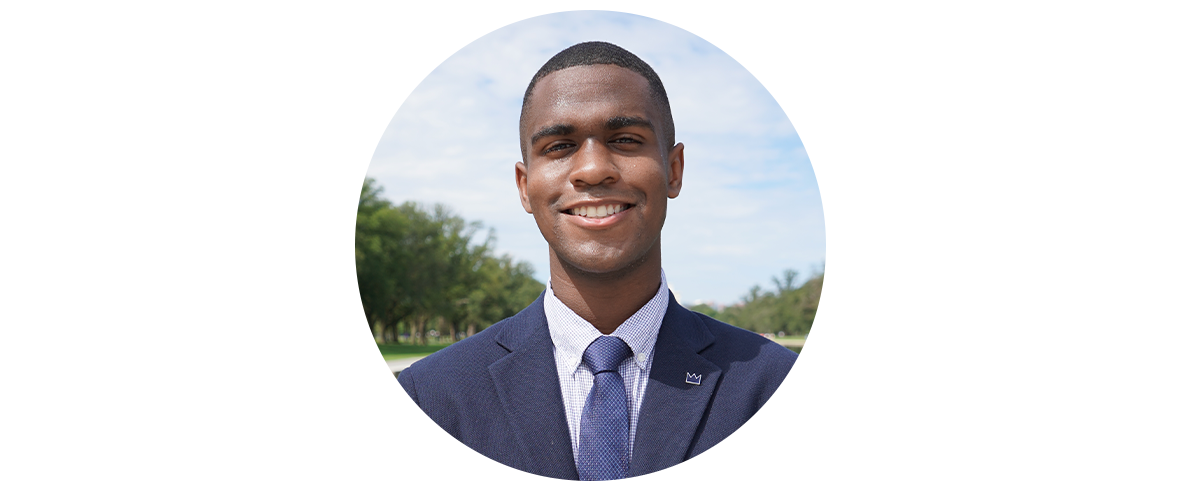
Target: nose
{"points": [[592, 165]]}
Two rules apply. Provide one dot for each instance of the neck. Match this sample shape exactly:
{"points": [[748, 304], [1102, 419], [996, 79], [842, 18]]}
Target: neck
{"points": [[606, 300]]}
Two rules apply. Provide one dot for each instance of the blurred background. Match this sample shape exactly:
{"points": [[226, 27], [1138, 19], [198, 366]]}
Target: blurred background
{"points": [[444, 248]]}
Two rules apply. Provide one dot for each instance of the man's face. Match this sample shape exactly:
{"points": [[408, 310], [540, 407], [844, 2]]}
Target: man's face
{"points": [[598, 175]]}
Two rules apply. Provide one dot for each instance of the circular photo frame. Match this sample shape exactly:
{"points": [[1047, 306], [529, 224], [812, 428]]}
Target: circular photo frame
{"points": [[709, 269]]}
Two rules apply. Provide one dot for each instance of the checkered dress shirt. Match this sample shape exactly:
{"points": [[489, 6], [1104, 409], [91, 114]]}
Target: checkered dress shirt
{"points": [[572, 335]]}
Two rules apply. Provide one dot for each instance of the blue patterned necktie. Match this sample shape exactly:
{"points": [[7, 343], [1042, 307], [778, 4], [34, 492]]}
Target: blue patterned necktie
{"points": [[604, 428]]}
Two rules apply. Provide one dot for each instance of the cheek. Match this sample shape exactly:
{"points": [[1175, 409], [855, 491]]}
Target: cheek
{"points": [[652, 181], [535, 188], [542, 185]]}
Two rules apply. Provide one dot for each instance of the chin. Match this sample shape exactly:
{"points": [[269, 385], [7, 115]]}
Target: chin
{"points": [[604, 263]]}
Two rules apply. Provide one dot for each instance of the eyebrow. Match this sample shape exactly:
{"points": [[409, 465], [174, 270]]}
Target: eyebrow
{"points": [[619, 122], [559, 129]]}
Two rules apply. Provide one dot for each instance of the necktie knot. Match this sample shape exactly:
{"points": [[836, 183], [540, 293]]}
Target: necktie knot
{"points": [[605, 354]]}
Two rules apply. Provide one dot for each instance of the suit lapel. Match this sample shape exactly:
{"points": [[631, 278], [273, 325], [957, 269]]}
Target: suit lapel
{"points": [[672, 409], [526, 382]]}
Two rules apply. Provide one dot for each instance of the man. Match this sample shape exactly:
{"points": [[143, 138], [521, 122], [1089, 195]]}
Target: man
{"points": [[604, 376]]}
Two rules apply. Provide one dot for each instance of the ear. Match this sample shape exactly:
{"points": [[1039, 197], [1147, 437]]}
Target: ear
{"points": [[523, 186], [675, 171]]}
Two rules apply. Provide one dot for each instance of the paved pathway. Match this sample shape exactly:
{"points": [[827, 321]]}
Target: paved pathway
{"points": [[399, 364], [790, 342]]}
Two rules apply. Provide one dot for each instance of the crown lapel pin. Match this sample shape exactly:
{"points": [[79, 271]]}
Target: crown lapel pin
{"points": [[692, 378]]}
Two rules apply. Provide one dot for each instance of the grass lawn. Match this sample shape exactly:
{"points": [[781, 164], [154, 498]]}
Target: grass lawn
{"points": [[793, 342], [397, 351]]}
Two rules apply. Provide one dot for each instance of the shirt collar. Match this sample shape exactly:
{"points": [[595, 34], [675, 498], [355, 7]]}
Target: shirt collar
{"points": [[572, 334]]}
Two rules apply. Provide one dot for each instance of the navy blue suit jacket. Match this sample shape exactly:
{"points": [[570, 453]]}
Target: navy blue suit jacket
{"points": [[498, 391]]}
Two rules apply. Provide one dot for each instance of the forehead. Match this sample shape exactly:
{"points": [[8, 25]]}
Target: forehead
{"points": [[579, 93]]}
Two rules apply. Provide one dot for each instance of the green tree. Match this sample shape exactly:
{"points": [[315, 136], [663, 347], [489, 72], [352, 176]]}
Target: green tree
{"points": [[418, 269], [788, 309]]}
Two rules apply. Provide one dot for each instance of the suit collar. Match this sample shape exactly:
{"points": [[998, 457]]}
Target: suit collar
{"points": [[526, 382], [673, 409], [525, 326]]}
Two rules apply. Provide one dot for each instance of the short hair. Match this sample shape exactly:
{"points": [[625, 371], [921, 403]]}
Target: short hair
{"points": [[589, 53]]}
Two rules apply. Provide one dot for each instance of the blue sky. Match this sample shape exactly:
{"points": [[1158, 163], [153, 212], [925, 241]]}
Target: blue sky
{"points": [[749, 207]]}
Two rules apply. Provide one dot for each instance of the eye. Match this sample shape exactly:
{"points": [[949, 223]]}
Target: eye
{"points": [[558, 146], [626, 141]]}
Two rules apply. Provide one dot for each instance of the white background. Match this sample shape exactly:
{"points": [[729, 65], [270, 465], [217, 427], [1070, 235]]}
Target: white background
{"points": [[1008, 307]]}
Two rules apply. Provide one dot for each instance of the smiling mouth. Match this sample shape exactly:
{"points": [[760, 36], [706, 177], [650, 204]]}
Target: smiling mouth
{"points": [[598, 212]]}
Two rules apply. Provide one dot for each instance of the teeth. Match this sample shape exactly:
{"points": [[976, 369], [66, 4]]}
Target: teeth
{"points": [[598, 212]]}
